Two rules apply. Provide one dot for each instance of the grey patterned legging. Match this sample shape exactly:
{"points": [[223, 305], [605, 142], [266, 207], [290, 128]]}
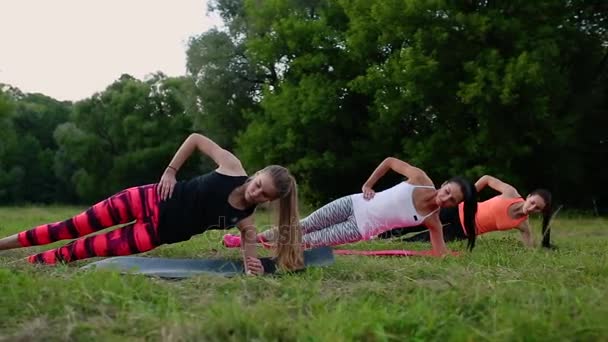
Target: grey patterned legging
{"points": [[332, 224]]}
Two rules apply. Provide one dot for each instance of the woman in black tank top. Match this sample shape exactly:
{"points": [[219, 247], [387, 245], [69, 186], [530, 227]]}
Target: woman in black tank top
{"points": [[225, 198], [171, 211]]}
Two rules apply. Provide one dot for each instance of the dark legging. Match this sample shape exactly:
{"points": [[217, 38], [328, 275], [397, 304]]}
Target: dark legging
{"points": [[452, 229], [139, 204]]}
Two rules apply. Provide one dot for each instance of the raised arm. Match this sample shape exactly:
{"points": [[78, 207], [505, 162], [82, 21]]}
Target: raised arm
{"points": [[496, 184], [399, 166], [226, 161]]}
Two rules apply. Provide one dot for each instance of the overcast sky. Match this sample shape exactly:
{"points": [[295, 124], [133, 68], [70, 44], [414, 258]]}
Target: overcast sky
{"points": [[70, 49]]}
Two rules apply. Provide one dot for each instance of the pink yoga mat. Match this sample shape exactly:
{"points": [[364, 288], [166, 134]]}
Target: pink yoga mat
{"points": [[393, 252]]}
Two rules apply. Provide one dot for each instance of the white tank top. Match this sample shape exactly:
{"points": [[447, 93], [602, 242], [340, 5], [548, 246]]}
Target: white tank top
{"points": [[391, 208]]}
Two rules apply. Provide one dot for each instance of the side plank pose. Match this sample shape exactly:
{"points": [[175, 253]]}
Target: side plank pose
{"points": [[362, 216], [171, 211], [508, 210]]}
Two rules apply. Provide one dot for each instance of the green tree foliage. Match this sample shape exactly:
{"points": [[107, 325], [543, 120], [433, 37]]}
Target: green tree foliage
{"points": [[224, 86], [310, 119], [26, 159], [8, 139], [227, 85], [329, 88], [123, 136], [509, 88]]}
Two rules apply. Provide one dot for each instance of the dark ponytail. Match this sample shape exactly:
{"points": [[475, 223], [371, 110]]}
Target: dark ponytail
{"points": [[547, 214], [470, 208]]}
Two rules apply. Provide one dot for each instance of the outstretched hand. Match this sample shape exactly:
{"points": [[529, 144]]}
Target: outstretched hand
{"points": [[166, 184], [254, 266]]}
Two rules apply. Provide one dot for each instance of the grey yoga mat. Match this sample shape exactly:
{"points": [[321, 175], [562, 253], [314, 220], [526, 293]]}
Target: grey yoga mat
{"points": [[185, 268]]}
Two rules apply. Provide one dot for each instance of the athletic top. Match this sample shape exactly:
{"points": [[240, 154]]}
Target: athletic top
{"points": [[200, 204], [493, 215], [391, 208]]}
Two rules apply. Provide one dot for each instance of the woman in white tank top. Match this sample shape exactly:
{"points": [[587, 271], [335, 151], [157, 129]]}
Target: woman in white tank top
{"points": [[361, 216]]}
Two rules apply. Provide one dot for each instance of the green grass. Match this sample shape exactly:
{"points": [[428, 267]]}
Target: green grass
{"points": [[500, 292]]}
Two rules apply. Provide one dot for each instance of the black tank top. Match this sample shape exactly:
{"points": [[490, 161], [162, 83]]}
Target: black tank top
{"points": [[198, 205]]}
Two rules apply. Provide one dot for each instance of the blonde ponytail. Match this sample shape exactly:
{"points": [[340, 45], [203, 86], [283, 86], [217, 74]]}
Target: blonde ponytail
{"points": [[289, 251]]}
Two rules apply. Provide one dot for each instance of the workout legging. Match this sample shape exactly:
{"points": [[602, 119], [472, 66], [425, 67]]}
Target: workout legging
{"points": [[332, 224], [137, 206]]}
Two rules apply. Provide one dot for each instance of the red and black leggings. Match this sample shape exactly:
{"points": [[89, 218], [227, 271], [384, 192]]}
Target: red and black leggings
{"points": [[139, 204]]}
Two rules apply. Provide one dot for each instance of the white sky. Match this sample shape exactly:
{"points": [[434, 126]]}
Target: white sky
{"points": [[70, 49]]}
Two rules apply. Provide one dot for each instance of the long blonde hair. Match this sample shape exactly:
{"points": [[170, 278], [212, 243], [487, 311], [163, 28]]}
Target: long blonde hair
{"points": [[288, 250]]}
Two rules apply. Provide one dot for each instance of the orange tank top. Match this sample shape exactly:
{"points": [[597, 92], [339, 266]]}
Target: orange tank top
{"points": [[493, 215]]}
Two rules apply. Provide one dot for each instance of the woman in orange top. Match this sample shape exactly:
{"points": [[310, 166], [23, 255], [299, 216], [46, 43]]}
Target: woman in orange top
{"points": [[506, 211]]}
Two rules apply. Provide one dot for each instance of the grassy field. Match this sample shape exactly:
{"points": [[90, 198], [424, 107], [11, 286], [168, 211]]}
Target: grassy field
{"points": [[500, 292]]}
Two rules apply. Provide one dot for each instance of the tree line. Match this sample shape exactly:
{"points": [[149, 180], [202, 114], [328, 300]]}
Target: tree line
{"points": [[329, 88]]}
